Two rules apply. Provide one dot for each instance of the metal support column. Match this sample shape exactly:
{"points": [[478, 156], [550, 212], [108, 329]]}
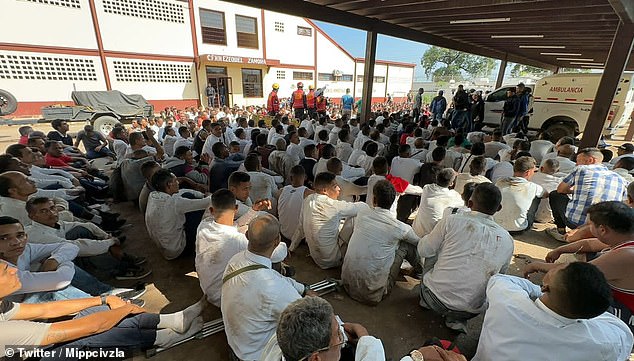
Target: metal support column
{"points": [[368, 76], [501, 71], [614, 67]]}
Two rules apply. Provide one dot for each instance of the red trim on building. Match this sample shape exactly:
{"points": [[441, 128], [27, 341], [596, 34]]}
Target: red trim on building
{"points": [[388, 62], [128, 55], [328, 37], [95, 22], [34, 109]]}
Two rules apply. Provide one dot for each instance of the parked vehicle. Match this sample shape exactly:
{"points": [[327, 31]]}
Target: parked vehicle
{"points": [[8, 103], [104, 109], [562, 103]]}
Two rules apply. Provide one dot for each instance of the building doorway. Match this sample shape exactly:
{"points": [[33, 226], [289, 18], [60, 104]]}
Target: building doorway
{"points": [[222, 87]]}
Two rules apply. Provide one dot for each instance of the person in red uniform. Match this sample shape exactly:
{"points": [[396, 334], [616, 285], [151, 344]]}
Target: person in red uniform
{"points": [[322, 104], [311, 102], [612, 226], [273, 104], [299, 101]]}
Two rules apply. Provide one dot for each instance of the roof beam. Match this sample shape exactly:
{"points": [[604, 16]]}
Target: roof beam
{"points": [[624, 9]]}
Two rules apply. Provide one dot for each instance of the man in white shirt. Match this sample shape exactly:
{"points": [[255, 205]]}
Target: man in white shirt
{"points": [[403, 166], [343, 147], [263, 185], [308, 330], [565, 316], [217, 240], [185, 139], [520, 197], [380, 170], [253, 294], [334, 133], [461, 253], [419, 152], [624, 150], [214, 137], [280, 162], [540, 147], [348, 173], [492, 148], [477, 168], [376, 250], [547, 179], [294, 150], [304, 138], [289, 202], [320, 218], [120, 141], [564, 154], [434, 200], [172, 216]]}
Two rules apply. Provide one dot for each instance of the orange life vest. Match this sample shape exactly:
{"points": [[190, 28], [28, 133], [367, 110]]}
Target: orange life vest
{"points": [[321, 103], [310, 99], [298, 99], [273, 104]]}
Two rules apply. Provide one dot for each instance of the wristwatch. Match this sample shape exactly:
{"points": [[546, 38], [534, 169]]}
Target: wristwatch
{"points": [[103, 300], [416, 356]]}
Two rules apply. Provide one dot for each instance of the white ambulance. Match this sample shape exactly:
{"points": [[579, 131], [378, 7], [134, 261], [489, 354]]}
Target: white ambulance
{"points": [[562, 103]]}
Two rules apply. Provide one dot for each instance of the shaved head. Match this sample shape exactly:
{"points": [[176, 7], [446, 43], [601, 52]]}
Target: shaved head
{"points": [[263, 234]]}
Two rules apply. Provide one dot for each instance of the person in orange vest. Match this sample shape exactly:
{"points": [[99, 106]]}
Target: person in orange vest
{"points": [[311, 102], [299, 101], [273, 104], [322, 103]]}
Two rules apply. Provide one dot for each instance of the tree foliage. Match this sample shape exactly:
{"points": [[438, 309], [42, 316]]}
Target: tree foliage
{"points": [[520, 70], [443, 63]]}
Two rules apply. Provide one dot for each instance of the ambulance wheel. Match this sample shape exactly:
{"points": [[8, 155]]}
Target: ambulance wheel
{"points": [[560, 130]]}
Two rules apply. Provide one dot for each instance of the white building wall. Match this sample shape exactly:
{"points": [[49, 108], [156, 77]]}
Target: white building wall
{"points": [[378, 89], [288, 47], [68, 24], [48, 77], [154, 79], [155, 27], [287, 85], [329, 59], [399, 81], [230, 11]]}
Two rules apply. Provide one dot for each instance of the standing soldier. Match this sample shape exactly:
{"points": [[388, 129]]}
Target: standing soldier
{"points": [[311, 101], [211, 95], [299, 100], [273, 104]]}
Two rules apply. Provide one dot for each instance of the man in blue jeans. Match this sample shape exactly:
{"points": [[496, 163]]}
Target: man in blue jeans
{"points": [[347, 101]]}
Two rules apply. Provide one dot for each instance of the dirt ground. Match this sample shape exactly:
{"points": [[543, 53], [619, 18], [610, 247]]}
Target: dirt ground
{"points": [[398, 321]]}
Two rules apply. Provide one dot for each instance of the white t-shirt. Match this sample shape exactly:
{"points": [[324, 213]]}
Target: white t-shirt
{"points": [[517, 196], [405, 168]]}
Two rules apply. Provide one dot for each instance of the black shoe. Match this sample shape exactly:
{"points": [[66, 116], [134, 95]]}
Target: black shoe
{"points": [[112, 225], [121, 239], [116, 233], [287, 270], [108, 215], [133, 274], [137, 261]]}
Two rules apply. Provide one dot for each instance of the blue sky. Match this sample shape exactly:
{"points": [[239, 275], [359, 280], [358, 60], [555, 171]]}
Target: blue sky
{"points": [[388, 48]]}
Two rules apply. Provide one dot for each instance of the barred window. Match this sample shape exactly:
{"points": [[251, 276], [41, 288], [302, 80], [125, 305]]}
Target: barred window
{"points": [[281, 74], [247, 31], [379, 79], [345, 77], [212, 27], [325, 77], [252, 83], [63, 3], [360, 78], [46, 68], [146, 9], [304, 31], [302, 75], [279, 26], [148, 72]]}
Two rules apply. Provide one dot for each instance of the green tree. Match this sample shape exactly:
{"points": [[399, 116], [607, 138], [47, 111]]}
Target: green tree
{"points": [[443, 64], [519, 70]]}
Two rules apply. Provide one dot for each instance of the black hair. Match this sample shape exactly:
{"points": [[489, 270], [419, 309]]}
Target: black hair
{"points": [[384, 194], [328, 151], [181, 151], [438, 154], [404, 149], [251, 162], [31, 203], [298, 170], [467, 191], [379, 165], [309, 149], [6, 161], [147, 166], [4, 220], [323, 180], [372, 149], [323, 135], [161, 178], [343, 135], [238, 177], [487, 198], [477, 165], [477, 148], [223, 200], [615, 215], [444, 177], [16, 150], [182, 130], [217, 149], [585, 291]]}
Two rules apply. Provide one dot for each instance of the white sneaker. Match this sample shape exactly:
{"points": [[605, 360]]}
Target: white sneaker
{"points": [[554, 233]]}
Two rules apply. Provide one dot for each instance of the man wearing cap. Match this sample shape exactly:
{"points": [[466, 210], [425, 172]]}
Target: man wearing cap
{"points": [[311, 101], [625, 150], [273, 103], [299, 101]]}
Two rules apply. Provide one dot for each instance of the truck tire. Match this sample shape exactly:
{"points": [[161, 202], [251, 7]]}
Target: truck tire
{"points": [[8, 103], [104, 124], [560, 130]]}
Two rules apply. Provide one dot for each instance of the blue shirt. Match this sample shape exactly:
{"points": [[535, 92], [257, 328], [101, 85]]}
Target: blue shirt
{"points": [[347, 101]]}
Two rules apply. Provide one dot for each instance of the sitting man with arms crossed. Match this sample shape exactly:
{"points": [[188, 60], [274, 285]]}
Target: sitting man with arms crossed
{"points": [[612, 225], [376, 250], [469, 247], [98, 249], [289, 202], [253, 294], [217, 240], [173, 215], [319, 221], [434, 199], [565, 318]]}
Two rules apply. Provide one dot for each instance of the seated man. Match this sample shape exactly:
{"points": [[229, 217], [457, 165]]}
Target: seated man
{"points": [[221, 168], [240, 186], [95, 143], [147, 170], [139, 140], [182, 165], [100, 321], [309, 161], [434, 199], [589, 183], [98, 249], [185, 139], [547, 179], [44, 177], [403, 166], [217, 240], [308, 330], [376, 250], [470, 247], [249, 283], [55, 157], [279, 160], [320, 218], [262, 185], [563, 156], [173, 215], [565, 316], [289, 203], [349, 173], [612, 225], [520, 197], [380, 170], [477, 168]]}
